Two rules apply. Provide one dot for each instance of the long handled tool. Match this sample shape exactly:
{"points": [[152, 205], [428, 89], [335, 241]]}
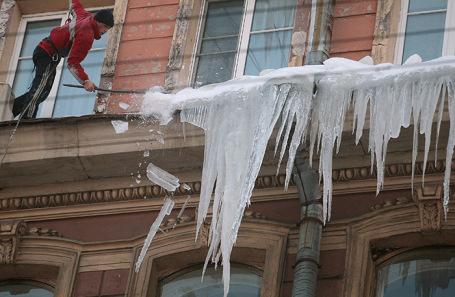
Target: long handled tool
{"points": [[109, 91]]}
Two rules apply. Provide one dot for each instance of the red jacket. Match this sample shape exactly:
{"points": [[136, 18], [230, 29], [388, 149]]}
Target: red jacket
{"points": [[75, 37]]}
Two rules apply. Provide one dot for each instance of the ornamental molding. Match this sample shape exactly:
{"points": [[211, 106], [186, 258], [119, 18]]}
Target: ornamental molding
{"points": [[392, 202], [5, 11], [429, 199], [176, 54], [10, 234], [173, 222], [5, 16], [340, 176], [42, 232]]}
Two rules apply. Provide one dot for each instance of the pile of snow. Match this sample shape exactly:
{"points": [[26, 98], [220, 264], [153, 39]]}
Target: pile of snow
{"points": [[239, 116]]}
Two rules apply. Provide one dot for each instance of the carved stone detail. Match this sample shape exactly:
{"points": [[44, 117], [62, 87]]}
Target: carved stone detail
{"points": [[430, 216], [392, 170], [171, 223], [43, 232], [5, 13], [10, 233], [204, 235], [253, 215], [392, 202], [385, 33], [178, 43], [429, 198], [378, 252], [154, 191]]}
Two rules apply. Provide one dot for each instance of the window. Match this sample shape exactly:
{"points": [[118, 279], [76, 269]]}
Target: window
{"points": [[426, 29], [244, 283], [24, 290], [62, 101], [429, 273], [243, 37]]}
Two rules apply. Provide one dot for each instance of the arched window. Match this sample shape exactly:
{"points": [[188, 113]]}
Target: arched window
{"points": [[422, 273], [244, 283], [25, 289]]}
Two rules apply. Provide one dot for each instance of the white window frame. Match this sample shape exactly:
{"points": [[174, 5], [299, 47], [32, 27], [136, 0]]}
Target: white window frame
{"points": [[448, 47], [244, 37], [48, 105]]}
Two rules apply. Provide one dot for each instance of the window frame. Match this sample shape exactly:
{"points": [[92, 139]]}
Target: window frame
{"points": [[411, 254], [14, 63], [243, 39], [35, 283], [254, 270], [448, 46], [49, 104]]}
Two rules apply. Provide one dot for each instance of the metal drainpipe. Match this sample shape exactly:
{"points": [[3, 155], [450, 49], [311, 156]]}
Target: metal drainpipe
{"points": [[321, 32], [310, 230], [307, 179]]}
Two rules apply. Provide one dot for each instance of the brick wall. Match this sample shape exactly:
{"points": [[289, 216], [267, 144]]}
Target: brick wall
{"points": [[353, 28], [101, 283], [144, 48]]}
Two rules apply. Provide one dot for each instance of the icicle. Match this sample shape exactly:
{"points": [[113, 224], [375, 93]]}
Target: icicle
{"points": [[284, 116], [304, 96], [439, 120], [418, 96], [241, 134], [361, 99], [329, 111], [162, 178], [165, 210], [196, 116], [450, 144], [426, 122], [286, 122]]}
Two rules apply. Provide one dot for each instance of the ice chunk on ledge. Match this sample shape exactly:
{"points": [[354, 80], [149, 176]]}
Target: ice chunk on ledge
{"points": [[239, 116], [120, 126], [162, 178], [124, 105]]}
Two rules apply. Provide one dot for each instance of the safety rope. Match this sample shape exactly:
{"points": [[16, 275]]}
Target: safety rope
{"points": [[70, 11], [31, 106], [29, 109]]}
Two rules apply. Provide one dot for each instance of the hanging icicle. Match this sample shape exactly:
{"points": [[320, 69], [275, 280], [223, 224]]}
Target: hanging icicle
{"points": [[239, 116], [168, 205]]}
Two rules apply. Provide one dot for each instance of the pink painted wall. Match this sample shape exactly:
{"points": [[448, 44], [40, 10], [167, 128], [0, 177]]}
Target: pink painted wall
{"points": [[353, 28]]}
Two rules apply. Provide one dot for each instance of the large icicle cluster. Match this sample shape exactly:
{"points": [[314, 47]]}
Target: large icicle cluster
{"points": [[239, 116], [397, 97]]}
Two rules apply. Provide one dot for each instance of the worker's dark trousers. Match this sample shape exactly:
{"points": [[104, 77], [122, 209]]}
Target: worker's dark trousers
{"points": [[41, 86]]}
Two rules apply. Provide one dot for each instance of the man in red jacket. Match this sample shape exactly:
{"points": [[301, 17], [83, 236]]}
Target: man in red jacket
{"points": [[72, 40]]}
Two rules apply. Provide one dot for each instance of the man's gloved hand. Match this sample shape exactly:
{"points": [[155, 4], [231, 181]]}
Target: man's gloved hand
{"points": [[89, 86]]}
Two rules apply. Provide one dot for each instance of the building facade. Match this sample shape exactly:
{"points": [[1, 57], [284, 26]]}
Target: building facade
{"points": [[75, 205]]}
